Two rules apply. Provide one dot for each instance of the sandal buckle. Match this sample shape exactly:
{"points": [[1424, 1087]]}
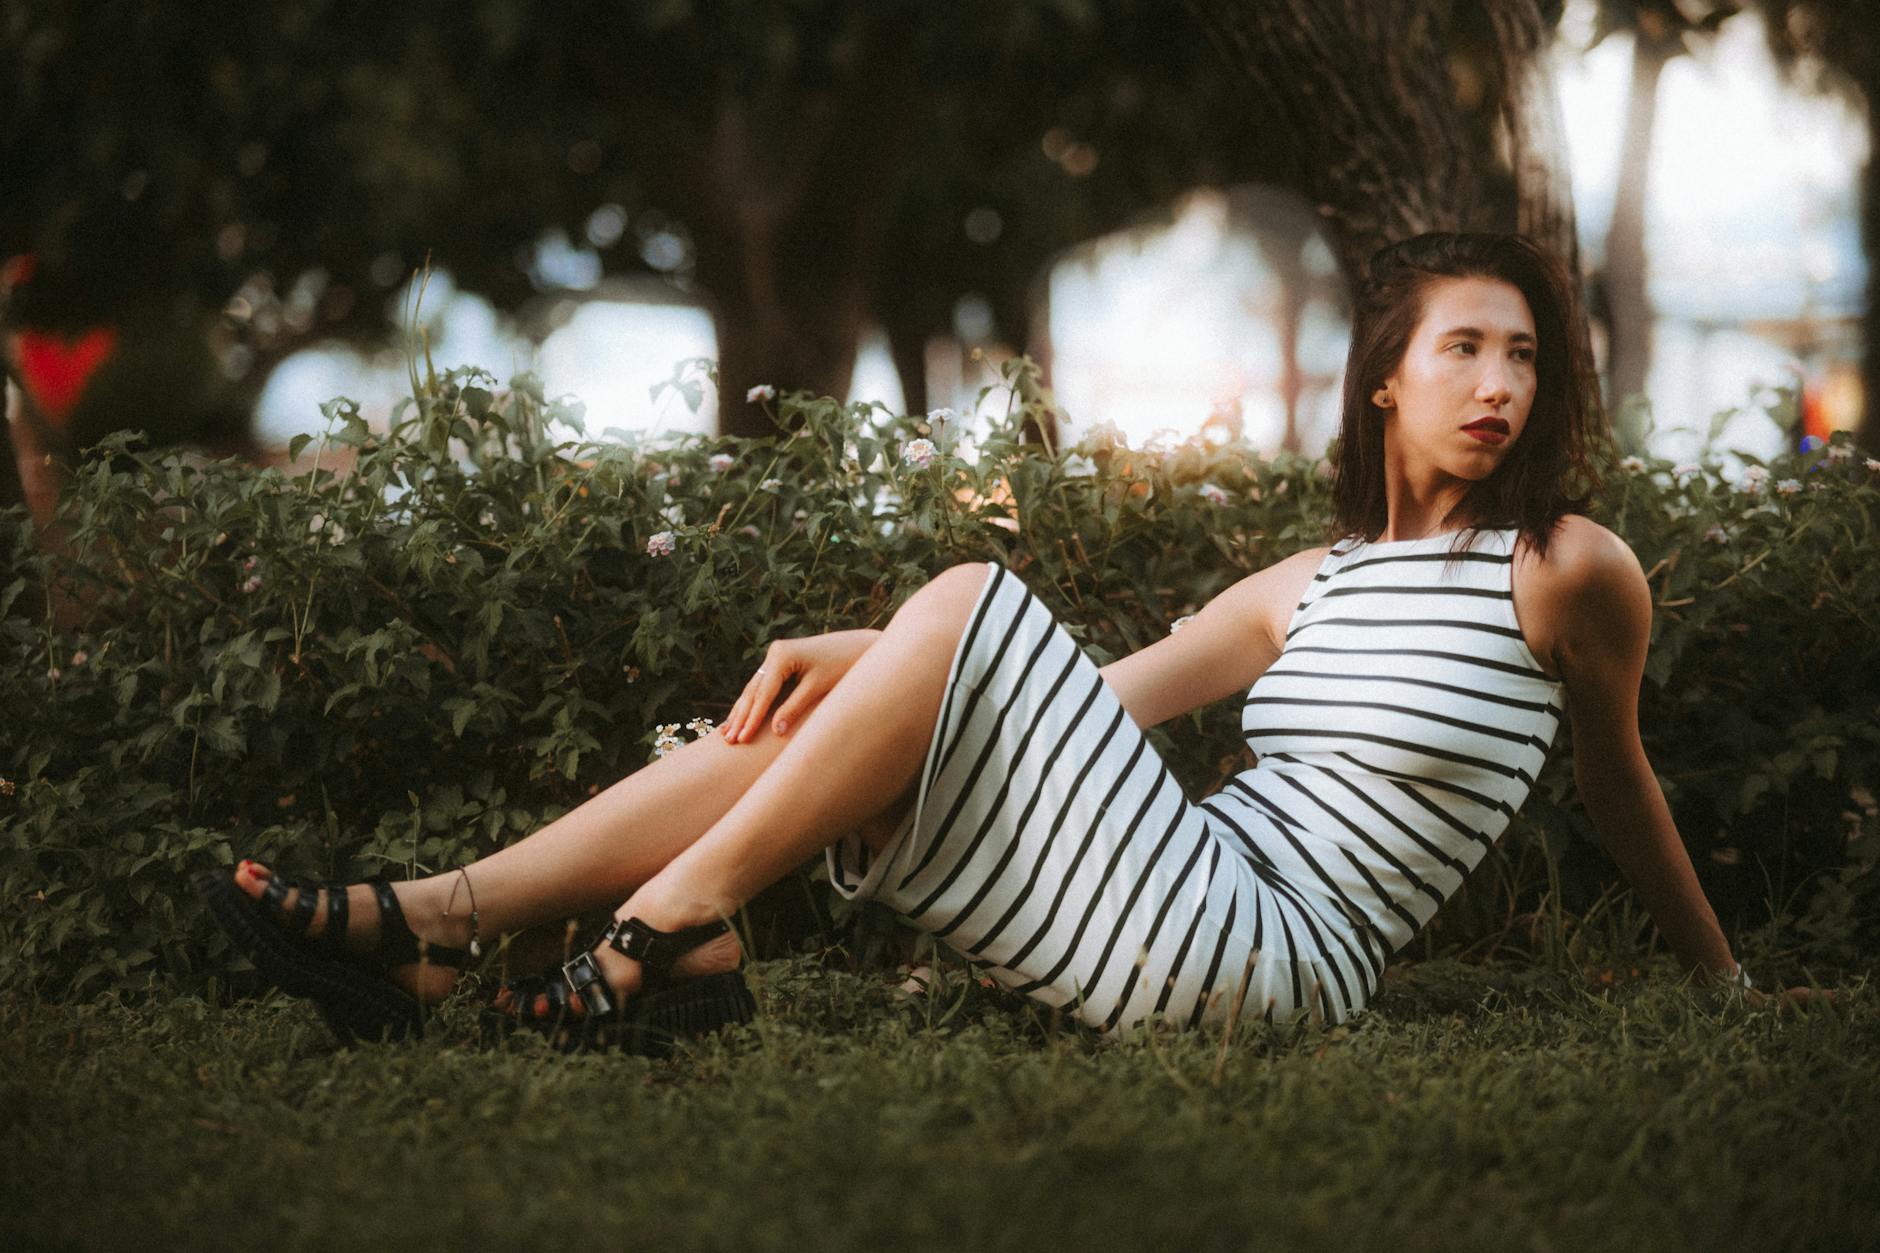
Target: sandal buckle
{"points": [[583, 977]]}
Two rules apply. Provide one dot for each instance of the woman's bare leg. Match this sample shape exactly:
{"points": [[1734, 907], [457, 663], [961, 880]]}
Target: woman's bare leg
{"points": [[590, 857], [857, 758]]}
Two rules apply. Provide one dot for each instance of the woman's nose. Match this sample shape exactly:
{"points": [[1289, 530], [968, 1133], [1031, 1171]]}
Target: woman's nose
{"points": [[1492, 387]]}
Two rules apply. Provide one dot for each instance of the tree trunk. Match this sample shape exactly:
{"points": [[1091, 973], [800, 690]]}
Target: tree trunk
{"points": [[789, 210], [1534, 132], [1360, 92], [1627, 277], [1868, 433]]}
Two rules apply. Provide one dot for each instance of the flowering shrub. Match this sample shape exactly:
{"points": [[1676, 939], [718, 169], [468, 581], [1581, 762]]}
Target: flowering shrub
{"points": [[469, 629]]}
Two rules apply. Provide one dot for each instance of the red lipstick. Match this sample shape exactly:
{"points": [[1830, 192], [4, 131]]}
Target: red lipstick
{"points": [[1490, 430]]}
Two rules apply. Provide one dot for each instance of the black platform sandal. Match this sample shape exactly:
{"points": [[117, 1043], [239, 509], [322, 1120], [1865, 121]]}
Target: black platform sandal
{"points": [[661, 1013], [350, 989]]}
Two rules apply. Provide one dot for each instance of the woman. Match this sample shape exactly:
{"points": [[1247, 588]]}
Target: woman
{"points": [[1403, 687]]}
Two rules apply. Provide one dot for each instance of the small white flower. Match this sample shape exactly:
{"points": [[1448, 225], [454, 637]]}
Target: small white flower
{"points": [[660, 545], [1754, 478], [1632, 465], [942, 414], [771, 485], [1687, 470], [251, 584], [1872, 464], [666, 738], [221, 537], [1103, 437], [248, 564], [763, 391], [721, 461], [920, 453], [1788, 487], [486, 518], [632, 672], [336, 534], [1214, 495], [1716, 534], [1180, 622], [54, 675], [800, 514], [80, 657], [700, 727], [316, 522], [1840, 452]]}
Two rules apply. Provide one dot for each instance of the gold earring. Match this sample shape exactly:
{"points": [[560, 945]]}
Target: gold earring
{"points": [[1382, 398]]}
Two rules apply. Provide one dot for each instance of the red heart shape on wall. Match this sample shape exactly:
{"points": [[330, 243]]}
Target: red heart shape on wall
{"points": [[55, 370]]}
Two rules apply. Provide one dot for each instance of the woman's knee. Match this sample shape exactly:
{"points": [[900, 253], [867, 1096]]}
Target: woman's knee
{"points": [[947, 599]]}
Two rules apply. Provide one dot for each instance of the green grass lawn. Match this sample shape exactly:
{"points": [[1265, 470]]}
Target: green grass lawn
{"points": [[1472, 1108]]}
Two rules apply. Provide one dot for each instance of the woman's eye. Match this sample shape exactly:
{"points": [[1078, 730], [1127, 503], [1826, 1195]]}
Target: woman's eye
{"points": [[1465, 345], [1524, 354]]}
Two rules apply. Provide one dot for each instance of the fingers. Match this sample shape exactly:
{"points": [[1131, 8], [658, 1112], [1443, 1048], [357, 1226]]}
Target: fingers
{"points": [[747, 713], [794, 708]]}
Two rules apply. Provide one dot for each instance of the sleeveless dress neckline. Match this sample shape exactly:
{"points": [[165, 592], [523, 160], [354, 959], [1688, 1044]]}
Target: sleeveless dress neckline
{"points": [[1424, 539]]}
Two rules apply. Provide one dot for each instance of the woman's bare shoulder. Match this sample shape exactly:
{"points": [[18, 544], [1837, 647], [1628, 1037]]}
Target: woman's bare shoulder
{"points": [[1582, 557], [1588, 590]]}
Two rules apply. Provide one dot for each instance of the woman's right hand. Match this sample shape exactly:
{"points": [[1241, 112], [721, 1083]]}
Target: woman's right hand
{"points": [[818, 661]]}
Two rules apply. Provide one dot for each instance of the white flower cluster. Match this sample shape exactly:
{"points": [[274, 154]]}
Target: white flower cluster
{"points": [[1788, 487], [920, 453], [335, 534], [1754, 479], [252, 583], [1213, 494], [1686, 470], [660, 544], [1840, 452], [763, 391], [1632, 465], [1180, 622], [770, 485], [721, 461], [666, 734]]}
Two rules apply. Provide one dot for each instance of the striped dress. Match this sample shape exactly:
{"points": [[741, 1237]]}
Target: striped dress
{"points": [[1399, 729]]}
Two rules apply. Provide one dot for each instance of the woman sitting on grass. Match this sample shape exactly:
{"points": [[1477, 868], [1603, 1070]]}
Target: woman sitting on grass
{"points": [[972, 768]]}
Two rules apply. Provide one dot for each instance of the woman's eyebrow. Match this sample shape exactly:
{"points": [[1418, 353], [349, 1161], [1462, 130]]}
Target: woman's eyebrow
{"points": [[1471, 332]]}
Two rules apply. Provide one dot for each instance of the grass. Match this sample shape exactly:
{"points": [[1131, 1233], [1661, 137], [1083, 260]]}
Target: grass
{"points": [[1471, 1108]]}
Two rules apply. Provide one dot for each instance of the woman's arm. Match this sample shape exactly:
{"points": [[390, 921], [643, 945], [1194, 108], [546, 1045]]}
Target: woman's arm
{"points": [[1220, 651], [1605, 613]]}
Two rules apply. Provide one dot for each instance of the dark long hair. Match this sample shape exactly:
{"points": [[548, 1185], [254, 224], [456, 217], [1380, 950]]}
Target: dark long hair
{"points": [[1551, 470]]}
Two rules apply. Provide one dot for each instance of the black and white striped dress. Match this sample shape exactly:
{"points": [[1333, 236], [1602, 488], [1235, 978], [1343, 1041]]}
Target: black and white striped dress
{"points": [[1397, 732]]}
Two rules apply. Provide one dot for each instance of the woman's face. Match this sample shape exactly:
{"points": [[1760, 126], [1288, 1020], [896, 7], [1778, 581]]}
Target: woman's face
{"points": [[1459, 399]]}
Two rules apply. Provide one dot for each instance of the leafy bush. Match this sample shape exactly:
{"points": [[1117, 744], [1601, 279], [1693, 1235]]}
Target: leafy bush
{"points": [[411, 660]]}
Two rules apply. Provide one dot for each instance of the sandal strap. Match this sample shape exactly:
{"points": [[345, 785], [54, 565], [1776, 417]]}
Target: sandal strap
{"points": [[582, 975], [337, 908], [398, 944], [658, 950]]}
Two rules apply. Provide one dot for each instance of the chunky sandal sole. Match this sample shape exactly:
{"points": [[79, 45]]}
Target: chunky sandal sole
{"points": [[356, 1003], [649, 1026]]}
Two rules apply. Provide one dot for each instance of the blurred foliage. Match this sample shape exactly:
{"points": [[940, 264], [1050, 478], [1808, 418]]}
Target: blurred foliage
{"points": [[412, 662], [261, 176]]}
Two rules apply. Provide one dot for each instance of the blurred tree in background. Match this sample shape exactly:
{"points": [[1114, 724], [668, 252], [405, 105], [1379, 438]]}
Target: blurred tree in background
{"points": [[197, 192]]}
